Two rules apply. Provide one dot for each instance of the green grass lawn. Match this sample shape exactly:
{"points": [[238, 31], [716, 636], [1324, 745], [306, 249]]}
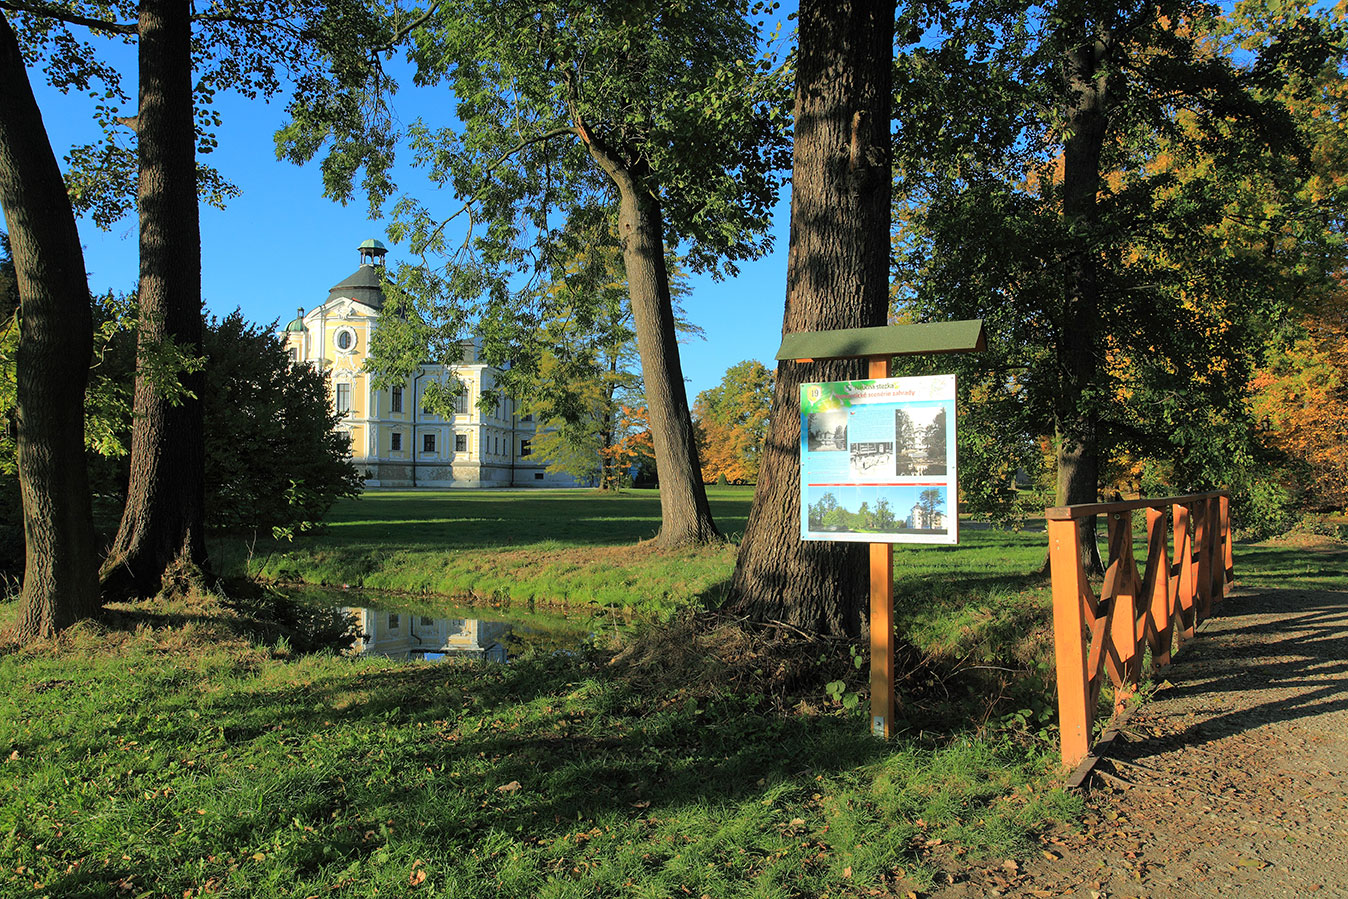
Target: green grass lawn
{"points": [[538, 546], [175, 752]]}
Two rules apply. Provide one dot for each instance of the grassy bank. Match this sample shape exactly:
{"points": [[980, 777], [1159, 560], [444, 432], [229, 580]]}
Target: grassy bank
{"points": [[179, 761], [539, 546], [174, 754]]}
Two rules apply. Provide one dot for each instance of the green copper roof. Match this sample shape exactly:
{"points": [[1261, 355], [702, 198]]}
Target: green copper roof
{"points": [[296, 326], [372, 244], [887, 340]]}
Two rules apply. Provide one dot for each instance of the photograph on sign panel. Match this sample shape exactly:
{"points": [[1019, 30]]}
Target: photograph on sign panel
{"points": [[872, 458], [827, 431], [920, 440], [874, 509]]}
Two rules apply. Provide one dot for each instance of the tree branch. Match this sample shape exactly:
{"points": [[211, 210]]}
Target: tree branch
{"points": [[45, 11], [403, 31], [502, 160]]}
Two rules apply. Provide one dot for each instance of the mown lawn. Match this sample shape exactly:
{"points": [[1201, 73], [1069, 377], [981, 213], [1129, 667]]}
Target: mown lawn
{"points": [[569, 547], [174, 752]]}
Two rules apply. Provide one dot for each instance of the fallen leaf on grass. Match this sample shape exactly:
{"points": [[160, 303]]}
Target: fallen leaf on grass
{"points": [[509, 788]]}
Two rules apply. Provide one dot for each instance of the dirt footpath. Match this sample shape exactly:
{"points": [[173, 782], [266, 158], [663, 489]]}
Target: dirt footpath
{"points": [[1231, 781]]}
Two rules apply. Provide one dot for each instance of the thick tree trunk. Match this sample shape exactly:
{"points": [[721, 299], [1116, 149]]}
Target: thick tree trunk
{"points": [[685, 516], [837, 277], [160, 542], [60, 582], [1076, 416]]}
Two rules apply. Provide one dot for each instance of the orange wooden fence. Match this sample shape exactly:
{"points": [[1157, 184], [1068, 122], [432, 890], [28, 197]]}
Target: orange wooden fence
{"points": [[1154, 607]]}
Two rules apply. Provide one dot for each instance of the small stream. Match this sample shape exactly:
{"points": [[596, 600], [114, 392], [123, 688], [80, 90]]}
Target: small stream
{"points": [[433, 629]]}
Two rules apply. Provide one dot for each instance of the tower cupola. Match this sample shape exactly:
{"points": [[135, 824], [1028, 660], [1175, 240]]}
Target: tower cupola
{"points": [[372, 252]]}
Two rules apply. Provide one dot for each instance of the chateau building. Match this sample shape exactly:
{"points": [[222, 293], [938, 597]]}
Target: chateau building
{"points": [[394, 441]]}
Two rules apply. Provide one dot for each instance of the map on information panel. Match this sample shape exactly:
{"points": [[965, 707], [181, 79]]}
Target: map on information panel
{"points": [[877, 460]]}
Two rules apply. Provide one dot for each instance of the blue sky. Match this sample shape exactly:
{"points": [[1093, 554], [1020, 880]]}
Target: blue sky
{"points": [[281, 245]]}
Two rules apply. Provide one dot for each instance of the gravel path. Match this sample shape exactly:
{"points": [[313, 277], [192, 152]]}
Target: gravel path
{"points": [[1231, 781]]}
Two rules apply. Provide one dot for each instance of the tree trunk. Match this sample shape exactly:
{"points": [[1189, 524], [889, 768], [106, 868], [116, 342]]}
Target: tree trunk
{"points": [[685, 516], [1076, 414], [837, 277], [160, 541], [60, 579]]}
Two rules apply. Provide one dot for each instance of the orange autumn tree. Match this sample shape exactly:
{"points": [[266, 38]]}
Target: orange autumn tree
{"points": [[732, 420], [632, 446], [1300, 403]]}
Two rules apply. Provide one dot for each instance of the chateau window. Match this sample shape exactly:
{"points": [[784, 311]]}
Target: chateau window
{"points": [[461, 402], [394, 622], [498, 446], [525, 448], [396, 442], [460, 443], [538, 476], [529, 417], [343, 399], [427, 622], [428, 443], [345, 339], [396, 400]]}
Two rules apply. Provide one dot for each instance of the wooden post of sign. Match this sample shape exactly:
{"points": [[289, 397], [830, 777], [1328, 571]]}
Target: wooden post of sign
{"points": [[877, 346], [882, 614]]}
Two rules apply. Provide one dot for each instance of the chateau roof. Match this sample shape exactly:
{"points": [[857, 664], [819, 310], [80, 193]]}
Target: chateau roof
{"points": [[362, 285]]}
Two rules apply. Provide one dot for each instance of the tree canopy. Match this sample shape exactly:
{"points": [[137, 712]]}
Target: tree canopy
{"points": [[1121, 193], [658, 120]]}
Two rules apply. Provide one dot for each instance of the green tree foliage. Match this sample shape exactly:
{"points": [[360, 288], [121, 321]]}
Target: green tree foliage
{"points": [[1082, 176], [732, 419], [653, 118], [11, 504], [575, 367], [275, 458]]}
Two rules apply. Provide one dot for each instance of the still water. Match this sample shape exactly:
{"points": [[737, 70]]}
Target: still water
{"points": [[466, 633]]}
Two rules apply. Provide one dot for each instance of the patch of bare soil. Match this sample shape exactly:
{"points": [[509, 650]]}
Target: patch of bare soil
{"points": [[1231, 781]]}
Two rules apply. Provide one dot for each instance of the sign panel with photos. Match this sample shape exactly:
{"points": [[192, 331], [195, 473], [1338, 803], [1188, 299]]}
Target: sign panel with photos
{"points": [[877, 460]]}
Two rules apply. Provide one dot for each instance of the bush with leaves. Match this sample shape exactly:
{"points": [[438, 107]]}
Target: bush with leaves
{"points": [[275, 459]]}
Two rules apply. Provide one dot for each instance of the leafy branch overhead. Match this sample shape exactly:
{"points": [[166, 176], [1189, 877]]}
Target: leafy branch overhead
{"points": [[251, 47]]}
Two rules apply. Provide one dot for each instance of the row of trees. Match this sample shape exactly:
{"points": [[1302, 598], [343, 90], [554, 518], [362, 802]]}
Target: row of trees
{"points": [[147, 163], [1138, 199]]}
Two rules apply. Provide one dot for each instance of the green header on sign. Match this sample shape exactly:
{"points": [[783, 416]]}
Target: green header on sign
{"points": [[887, 340]]}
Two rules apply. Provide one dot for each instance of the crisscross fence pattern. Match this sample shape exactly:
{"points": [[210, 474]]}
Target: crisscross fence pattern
{"points": [[1187, 570]]}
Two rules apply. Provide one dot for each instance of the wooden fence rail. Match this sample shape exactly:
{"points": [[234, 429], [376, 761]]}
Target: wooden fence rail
{"points": [[1136, 610]]}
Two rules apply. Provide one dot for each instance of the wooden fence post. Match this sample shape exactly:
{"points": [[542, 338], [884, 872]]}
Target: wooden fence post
{"points": [[1069, 640], [1184, 564], [1157, 590]]}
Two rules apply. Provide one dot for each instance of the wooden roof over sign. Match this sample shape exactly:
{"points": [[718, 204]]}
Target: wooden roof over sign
{"points": [[886, 340]]}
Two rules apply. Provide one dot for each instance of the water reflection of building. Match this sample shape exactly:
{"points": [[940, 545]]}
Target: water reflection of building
{"points": [[404, 636]]}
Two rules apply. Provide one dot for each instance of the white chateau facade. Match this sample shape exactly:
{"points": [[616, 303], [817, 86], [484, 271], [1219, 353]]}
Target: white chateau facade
{"points": [[394, 441]]}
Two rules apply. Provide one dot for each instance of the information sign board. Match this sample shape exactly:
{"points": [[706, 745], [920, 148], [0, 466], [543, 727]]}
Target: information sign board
{"points": [[877, 460]]}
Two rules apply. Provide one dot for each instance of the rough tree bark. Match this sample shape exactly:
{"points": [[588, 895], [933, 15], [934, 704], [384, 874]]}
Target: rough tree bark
{"points": [[685, 516], [1076, 421], [837, 277], [60, 583], [160, 541]]}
